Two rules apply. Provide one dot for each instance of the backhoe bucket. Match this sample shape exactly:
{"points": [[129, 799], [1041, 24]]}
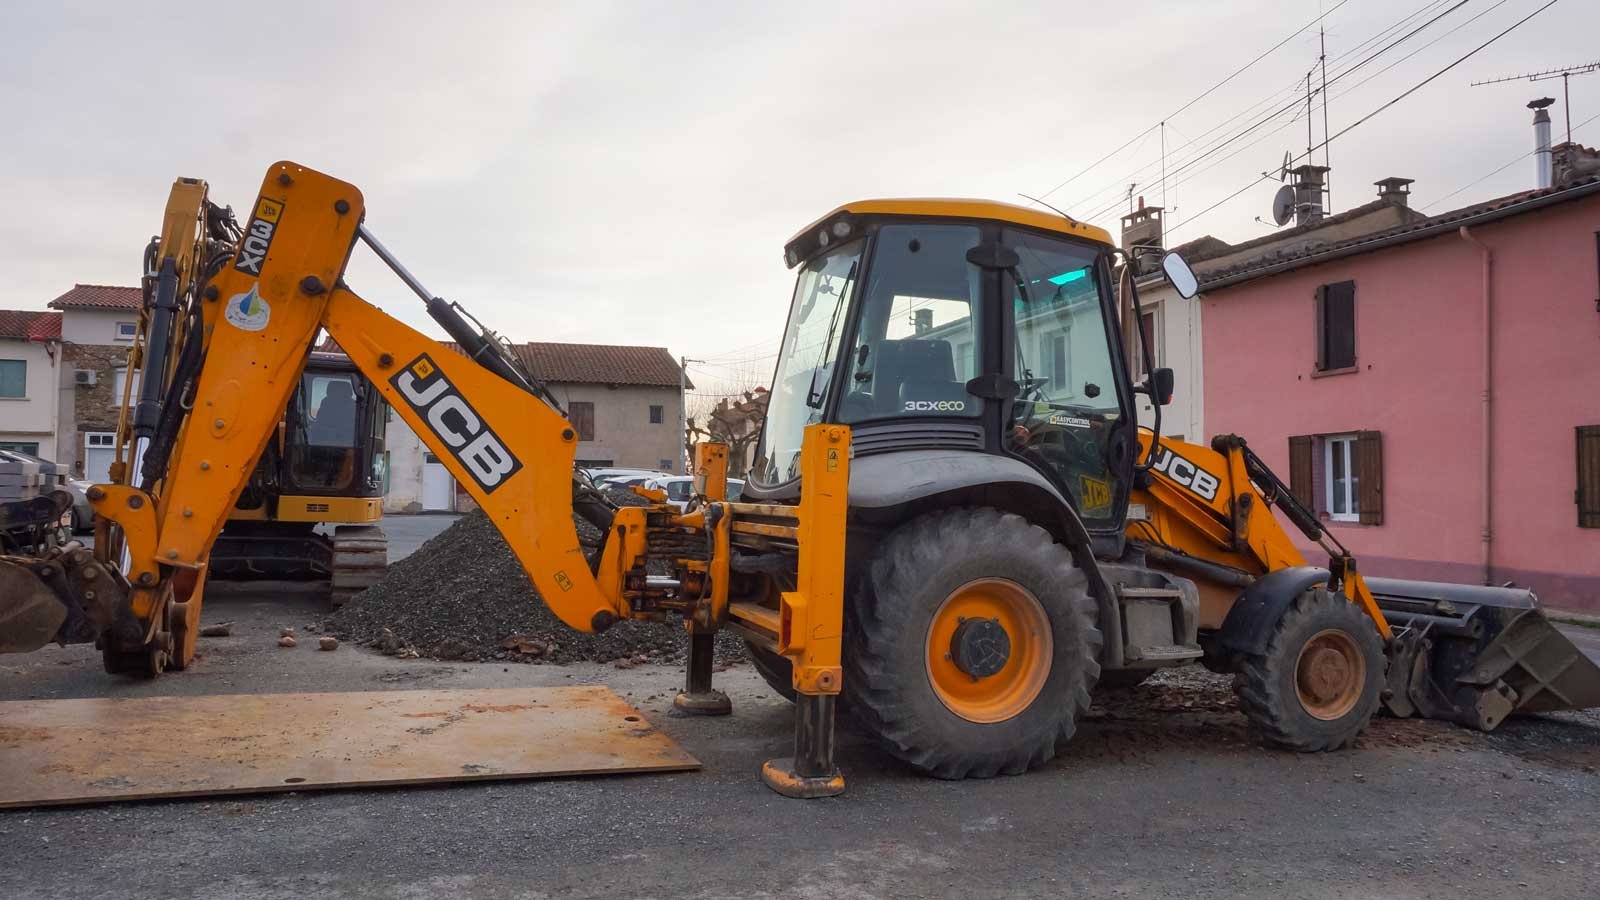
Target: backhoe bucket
{"points": [[1475, 655], [30, 613]]}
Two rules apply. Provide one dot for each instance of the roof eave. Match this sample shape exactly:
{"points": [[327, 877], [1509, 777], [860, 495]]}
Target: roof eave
{"points": [[1576, 192]]}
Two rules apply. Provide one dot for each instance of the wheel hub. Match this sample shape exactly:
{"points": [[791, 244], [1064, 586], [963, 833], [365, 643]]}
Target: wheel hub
{"points": [[989, 650], [980, 647], [1329, 675]]}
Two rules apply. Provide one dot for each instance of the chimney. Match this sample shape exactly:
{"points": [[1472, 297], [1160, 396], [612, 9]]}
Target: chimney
{"points": [[1541, 141], [1308, 189], [1142, 228], [1395, 190]]}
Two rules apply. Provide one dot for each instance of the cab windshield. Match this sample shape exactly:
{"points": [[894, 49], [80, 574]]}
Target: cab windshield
{"points": [[805, 361]]}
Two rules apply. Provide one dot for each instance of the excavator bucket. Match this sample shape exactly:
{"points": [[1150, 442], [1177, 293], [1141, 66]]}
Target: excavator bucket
{"points": [[30, 613], [1475, 655]]}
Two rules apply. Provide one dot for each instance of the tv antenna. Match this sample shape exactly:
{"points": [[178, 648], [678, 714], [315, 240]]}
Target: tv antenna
{"points": [[1564, 74]]}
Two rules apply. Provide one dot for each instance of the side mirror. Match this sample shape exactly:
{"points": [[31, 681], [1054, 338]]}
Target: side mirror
{"points": [[1159, 385], [1177, 270]]}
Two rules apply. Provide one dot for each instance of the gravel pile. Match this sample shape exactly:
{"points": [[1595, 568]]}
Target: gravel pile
{"points": [[464, 596]]}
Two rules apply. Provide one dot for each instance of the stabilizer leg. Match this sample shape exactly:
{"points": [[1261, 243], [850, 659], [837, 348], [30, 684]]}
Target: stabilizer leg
{"points": [[698, 698], [810, 773]]}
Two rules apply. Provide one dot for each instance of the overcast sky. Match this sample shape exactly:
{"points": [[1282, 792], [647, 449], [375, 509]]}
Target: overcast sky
{"points": [[629, 172]]}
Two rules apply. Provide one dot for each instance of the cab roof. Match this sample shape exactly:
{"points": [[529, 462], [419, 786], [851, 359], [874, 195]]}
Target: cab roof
{"points": [[957, 208]]}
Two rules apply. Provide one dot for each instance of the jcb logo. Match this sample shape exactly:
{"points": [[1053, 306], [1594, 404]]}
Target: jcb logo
{"points": [[1198, 481], [470, 440], [935, 406], [258, 236]]}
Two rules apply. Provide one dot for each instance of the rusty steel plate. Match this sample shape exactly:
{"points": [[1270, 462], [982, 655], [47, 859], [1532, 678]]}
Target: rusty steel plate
{"points": [[87, 751]]}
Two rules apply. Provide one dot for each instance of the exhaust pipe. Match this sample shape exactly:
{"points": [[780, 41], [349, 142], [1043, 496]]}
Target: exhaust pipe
{"points": [[1476, 655]]}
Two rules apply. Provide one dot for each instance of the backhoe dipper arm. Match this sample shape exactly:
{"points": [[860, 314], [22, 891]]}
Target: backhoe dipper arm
{"points": [[512, 452]]}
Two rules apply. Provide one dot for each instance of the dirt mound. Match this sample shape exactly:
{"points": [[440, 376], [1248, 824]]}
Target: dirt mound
{"points": [[463, 595]]}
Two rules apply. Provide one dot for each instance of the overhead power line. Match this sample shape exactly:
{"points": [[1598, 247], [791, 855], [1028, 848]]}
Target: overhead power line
{"points": [[1294, 90], [1204, 94], [1368, 117], [1293, 107], [1520, 158]]}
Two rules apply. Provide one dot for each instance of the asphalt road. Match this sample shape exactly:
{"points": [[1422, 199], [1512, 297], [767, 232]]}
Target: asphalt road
{"points": [[1162, 795]]}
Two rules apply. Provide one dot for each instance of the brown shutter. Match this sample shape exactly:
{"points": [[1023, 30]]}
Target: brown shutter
{"points": [[582, 415], [1369, 474], [1322, 329], [1588, 494], [1300, 469]]}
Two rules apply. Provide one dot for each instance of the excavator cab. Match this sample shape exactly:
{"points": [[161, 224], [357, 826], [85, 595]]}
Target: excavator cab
{"points": [[981, 329], [324, 467]]}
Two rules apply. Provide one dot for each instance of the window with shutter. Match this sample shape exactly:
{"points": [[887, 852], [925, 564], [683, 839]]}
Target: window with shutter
{"points": [[1588, 493], [1300, 469], [1369, 477], [581, 414], [1336, 326]]}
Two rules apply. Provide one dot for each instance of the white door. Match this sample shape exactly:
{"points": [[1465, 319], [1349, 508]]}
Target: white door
{"points": [[99, 452], [437, 485]]}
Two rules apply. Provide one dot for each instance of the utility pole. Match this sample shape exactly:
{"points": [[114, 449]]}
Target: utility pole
{"points": [[683, 411]]}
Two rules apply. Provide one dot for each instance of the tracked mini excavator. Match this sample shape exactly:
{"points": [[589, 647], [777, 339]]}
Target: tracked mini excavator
{"points": [[954, 519]]}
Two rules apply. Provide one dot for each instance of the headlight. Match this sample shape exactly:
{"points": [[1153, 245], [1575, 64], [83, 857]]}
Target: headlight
{"points": [[841, 229], [823, 237]]}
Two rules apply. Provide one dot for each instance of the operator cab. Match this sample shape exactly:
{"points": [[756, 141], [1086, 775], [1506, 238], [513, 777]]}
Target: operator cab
{"points": [[957, 325]]}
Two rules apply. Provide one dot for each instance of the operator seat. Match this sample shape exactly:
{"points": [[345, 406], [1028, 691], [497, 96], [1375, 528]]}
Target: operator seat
{"points": [[335, 423], [915, 370]]}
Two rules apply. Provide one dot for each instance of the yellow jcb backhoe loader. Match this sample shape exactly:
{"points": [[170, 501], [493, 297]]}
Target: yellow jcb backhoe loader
{"points": [[954, 518]]}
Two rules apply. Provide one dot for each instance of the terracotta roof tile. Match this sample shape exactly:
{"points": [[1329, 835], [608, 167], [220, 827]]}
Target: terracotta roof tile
{"points": [[589, 363], [30, 325], [99, 296], [599, 364], [1499, 207]]}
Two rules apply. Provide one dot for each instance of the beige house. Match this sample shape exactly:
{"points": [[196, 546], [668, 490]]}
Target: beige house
{"points": [[625, 402], [98, 325], [30, 362]]}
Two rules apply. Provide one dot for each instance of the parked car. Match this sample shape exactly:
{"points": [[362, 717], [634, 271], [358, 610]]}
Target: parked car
{"points": [[680, 488], [82, 512], [622, 482], [608, 474]]}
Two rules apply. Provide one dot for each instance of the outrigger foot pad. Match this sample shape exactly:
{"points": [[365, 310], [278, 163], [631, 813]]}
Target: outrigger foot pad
{"points": [[781, 776], [703, 703]]}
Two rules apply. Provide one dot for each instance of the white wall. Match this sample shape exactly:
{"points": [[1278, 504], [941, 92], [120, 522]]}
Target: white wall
{"points": [[33, 417], [96, 326], [1178, 339], [405, 467]]}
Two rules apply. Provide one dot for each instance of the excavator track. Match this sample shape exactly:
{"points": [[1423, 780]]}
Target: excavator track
{"points": [[360, 559]]}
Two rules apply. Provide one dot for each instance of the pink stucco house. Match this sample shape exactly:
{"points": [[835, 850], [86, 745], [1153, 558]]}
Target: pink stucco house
{"points": [[1432, 390]]}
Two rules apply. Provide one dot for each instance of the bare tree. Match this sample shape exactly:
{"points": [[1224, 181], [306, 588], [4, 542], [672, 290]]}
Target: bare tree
{"points": [[729, 406]]}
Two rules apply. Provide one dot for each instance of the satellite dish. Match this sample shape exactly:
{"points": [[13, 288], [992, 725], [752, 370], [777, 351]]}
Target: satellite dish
{"points": [[1283, 205]]}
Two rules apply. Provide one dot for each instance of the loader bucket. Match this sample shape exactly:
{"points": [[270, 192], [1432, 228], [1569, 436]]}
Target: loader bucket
{"points": [[1475, 655]]}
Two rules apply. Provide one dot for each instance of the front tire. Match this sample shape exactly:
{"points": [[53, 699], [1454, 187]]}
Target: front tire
{"points": [[1318, 684], [972, 644]]}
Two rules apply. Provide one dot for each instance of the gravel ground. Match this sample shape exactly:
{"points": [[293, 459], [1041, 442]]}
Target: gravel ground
{"points": [[1162, 794], [463, 596]]}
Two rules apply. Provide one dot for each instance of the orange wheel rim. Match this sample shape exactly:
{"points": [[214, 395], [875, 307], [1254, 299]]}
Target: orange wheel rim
{"points": [[996, 697], [1329, 674]]}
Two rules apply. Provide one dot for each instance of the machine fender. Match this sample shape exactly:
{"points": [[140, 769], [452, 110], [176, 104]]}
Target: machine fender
{"points": [[903, 484], [1249, 624], [901, 479]]}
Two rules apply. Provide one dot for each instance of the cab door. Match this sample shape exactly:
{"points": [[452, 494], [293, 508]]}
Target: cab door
{"points": [[1070, 416]]}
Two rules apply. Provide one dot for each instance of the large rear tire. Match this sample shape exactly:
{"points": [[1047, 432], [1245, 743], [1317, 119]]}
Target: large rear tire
{"points": [[971, 645], [774, 668], [1318, 684]]}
